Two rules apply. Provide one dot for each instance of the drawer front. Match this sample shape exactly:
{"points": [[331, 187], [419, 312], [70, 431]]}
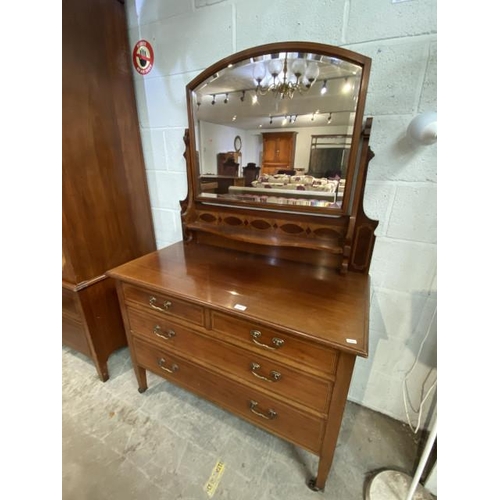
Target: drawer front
{"points": [[70, 303], [279, 418], [263, 373], [170, 306], [267, 340], [73, 335]]}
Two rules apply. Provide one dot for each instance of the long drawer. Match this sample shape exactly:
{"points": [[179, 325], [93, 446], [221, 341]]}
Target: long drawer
{"points": [[164, 304], [267, 340], [270, 375], [283, 420]]}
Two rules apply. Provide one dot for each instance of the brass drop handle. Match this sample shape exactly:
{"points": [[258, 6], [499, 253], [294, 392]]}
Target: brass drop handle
{"points": [[172, 369], [168, 335], [166, 305], [275, 376], [276, 341], [271, 414]]}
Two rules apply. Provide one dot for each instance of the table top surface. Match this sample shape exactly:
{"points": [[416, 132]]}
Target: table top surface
{"points": [[310, 301]]}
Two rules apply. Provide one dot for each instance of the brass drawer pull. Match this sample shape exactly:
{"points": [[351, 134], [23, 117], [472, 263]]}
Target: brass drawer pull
{"points": [[166, 305], [172, 369], [275, 376], [169, 334], [271, 414], [276, 341]]}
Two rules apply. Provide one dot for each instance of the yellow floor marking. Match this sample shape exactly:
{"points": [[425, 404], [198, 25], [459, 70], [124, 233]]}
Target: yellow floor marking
{"points": [[212, 483]]}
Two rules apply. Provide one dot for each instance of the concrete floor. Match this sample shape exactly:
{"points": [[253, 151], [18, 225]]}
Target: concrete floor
{"points": [[165, 443]]}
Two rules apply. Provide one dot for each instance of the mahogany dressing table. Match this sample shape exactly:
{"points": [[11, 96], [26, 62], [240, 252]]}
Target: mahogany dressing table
{"points": [[263, 307]]}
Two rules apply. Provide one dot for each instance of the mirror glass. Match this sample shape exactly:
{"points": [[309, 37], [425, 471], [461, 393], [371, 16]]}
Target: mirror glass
{"points": [[276, 129]]}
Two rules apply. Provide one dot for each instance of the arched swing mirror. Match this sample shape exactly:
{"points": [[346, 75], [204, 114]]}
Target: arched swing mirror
{"points": [[296, 109]]}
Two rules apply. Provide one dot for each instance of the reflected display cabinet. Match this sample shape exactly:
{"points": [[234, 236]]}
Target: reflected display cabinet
{"points": [[278, 151], [263, 307], [106, 213]]}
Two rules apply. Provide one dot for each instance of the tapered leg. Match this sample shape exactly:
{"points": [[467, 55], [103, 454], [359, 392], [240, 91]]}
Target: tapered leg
{"points": [[325, 463], [102, 370], [142, 380], [343, 379]]}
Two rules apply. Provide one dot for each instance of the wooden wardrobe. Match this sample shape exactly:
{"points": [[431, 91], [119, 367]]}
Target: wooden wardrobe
{"points": [[278, 151], [106, 212]]}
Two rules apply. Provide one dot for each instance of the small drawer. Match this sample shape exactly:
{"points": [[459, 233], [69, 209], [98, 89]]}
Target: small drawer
{"points": [[70, 303], [256, 370], [170, 306], [283, 420], [269, 341]]}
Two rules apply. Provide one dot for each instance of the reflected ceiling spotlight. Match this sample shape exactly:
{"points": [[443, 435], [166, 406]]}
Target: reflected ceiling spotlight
{"points": [[213, 99], [226, 99], [234, 118], [242, 98], [283, 119], [323, 88], [347, 87], [305, 72], [255, 99]]}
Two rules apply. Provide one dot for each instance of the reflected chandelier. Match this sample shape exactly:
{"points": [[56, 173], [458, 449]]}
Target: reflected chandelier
{"points": [[305, 74]]}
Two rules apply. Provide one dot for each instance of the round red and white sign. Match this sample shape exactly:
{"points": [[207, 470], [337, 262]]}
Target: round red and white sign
{"points": [[143, 57]]}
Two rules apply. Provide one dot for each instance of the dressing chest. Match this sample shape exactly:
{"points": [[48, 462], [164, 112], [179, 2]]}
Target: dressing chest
{"points": [[263, 307]]}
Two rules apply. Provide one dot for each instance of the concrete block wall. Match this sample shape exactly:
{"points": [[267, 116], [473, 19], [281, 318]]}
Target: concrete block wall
{"points": [[401, 38]]}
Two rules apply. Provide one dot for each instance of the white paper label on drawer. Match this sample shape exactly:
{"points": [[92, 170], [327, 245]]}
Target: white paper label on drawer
{"points": [[240, 307], [351, 341]]}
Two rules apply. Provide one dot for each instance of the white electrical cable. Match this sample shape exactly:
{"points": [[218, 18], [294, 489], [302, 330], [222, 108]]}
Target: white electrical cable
{"points": [[406, 397]]}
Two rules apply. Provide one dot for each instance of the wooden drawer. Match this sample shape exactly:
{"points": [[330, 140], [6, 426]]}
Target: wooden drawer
{"points": [[263, 373], [70, 303], [73, 335], [267, 340], [283, 420], [152, 301]]}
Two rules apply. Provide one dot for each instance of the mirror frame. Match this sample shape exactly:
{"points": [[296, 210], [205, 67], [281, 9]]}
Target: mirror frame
{"points": [[308, 47]]}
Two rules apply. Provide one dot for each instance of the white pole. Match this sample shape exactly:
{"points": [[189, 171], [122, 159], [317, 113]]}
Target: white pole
{"points": [[423, 460]]}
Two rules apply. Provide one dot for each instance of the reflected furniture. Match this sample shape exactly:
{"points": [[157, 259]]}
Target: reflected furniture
{"points": [[250, 173], [263, 308], [228, 163], [106, 214], [329, 154], [278, 151], [220, 184]]}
